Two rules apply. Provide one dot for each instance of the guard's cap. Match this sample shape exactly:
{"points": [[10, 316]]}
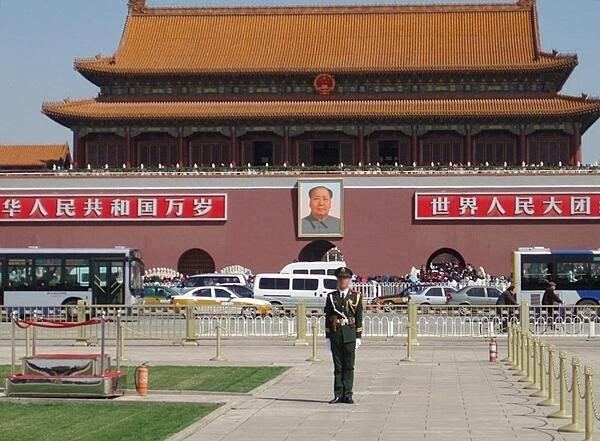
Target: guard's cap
{"points": [[343, 273], [552, 284]]}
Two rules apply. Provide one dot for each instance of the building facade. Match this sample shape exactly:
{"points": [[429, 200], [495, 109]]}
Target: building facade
{"points": [[320, 86]]}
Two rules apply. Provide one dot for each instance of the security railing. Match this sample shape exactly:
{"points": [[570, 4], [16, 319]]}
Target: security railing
{"points": [[169, 323]]}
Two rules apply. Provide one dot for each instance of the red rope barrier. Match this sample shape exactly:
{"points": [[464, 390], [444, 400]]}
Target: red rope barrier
{"points": [[55, 324]]}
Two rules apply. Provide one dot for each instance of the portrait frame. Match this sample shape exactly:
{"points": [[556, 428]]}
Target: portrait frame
{"points": [[306, 222]]}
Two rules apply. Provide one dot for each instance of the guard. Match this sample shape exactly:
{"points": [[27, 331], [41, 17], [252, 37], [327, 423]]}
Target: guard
{"points": [[343, 329]]}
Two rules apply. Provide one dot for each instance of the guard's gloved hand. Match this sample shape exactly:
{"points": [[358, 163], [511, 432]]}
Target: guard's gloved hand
{"points": [[329, 344], [358, 343]]}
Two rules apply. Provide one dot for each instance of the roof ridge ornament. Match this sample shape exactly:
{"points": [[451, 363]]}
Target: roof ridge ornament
{"points": [[137, 6]]}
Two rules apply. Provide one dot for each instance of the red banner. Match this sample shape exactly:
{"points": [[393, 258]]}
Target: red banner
{"points": [[115, 207], [506, 206]]}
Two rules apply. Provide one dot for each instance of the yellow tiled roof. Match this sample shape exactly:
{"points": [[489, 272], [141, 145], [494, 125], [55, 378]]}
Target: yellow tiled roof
{"points": [[332, 39], [32, 155], [92, 110]]}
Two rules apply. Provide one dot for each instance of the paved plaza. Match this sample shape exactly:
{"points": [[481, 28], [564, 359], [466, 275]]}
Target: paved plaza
{"points": [[450, 393]]}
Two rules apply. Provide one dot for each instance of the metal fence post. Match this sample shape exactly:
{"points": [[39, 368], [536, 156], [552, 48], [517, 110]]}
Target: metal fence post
{"points": [[33, 335], [551, 392], [535, 382], [575, 425], [509, 349], [28, 332], [412, 323], [524, 316], [190, 327], [218, 355], [562, 369], [13, 343], [589, 404], [102, 342], [81, 339], [315, 332], [301, 324]]}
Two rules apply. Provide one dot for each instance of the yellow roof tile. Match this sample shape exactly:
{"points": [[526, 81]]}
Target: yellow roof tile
{"points": [[333, 39], [92, 110], [37, 155]]}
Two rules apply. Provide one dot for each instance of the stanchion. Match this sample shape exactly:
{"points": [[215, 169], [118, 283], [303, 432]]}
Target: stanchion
{"points": [[28, 333], [542, 392], [301, 325], [13, 343], [102, 342], [535, 382], [522, 354], [33, 335], [315, 332], [528, 378], [551, 392], [524, 316], [120, 340], [516, 349], [190, 327], [218, 356], [509, 352], [562, 369], [81, 339], [575, 426], [589, 404], [412, 322]]}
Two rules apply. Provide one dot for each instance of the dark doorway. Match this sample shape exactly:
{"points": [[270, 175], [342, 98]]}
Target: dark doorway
{"points": [[195, 261], [388, 152], [315, 251], [263, 153], [326, 153], [445, 256]]}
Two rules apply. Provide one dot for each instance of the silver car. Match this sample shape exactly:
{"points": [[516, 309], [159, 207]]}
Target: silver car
{"points": [[433, 295]]}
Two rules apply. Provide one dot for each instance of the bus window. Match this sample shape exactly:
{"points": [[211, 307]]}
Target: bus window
{"points": [[300, 271], [305, 284], [77, 274], [595, 276], [572, 275], [536, 276], [19, 274], [320, 272], [47, 273], [274, 283]]}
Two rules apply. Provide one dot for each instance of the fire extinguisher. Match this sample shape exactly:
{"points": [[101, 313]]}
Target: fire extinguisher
{"points": [[141, 380], [493, 351]]}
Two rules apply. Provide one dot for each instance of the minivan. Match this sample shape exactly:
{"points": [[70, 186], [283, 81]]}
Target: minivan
{"points": [[315, 268], [210, 279], [293, 285]]}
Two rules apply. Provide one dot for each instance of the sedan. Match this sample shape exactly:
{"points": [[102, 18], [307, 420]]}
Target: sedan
{"points": [[474, 295], [391, 301], [220, 296], [433, 295], [240, 290], [158, 295]]}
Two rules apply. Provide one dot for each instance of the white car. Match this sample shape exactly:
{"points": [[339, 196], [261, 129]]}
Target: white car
{"points": [[432, 295], [206, 298]]}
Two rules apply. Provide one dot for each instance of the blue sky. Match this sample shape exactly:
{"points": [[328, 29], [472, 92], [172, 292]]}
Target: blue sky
{"points": [[40, 38]]}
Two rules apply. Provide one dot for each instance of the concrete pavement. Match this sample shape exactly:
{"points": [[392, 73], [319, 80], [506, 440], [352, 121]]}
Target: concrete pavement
{"points": [[450, 393]]}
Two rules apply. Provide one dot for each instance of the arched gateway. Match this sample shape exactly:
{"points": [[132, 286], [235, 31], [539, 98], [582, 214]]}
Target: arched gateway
{"points": [[195, 261]]}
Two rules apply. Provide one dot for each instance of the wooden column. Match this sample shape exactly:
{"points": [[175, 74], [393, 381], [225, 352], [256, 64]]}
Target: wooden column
{"points": [[287, 156], [522, 153], [468, 157], [78, 150], [128, 152], [414, 144], [180, 147], [576, 145], [361, 145], [234, 154]]}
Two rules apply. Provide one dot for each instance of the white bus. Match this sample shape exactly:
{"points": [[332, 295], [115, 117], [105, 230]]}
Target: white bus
{"points": [[313, 268], [51, 277], [575, 272]]}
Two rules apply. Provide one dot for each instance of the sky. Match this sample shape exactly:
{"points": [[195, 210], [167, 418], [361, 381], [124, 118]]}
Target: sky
{"points": [[39, 39]]}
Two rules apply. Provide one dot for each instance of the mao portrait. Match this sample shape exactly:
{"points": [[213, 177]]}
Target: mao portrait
{"points": [[320, 208]]}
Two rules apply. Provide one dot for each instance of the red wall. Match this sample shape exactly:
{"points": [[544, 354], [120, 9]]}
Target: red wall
{"points": [[380, 235]]}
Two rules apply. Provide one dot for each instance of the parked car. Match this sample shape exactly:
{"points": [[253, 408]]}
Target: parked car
{"points": [[433, 295], [158, 295], [240, 290], [390, 301], [205, 297], [474, 295]]}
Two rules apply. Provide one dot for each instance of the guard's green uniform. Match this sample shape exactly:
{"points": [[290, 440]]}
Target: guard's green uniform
{"points": [[343, 338]]}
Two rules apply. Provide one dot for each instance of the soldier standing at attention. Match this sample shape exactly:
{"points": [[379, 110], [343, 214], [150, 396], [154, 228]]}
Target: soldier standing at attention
{"points": [[343, 329]]}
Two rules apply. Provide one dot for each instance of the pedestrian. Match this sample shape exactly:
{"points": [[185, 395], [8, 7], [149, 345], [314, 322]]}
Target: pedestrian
{"points": [[507, 298], [549, 299], [343, 330]]}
